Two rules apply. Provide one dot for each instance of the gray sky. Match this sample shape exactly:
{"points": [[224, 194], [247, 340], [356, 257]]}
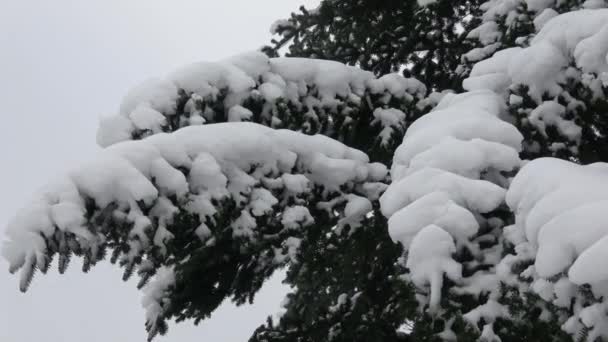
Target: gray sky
{"points": [[64, 63]]}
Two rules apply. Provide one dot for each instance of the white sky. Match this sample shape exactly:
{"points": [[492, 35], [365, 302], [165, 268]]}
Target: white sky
{"points": [[62, 65]]}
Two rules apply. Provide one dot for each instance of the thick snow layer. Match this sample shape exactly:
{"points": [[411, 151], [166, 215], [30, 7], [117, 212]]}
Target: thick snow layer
{"points": [[144, 117], [487, 33], [589, 267], [398, 86], [221, 160], [580, 36], [463, 117], [557, 201], [477, 195], [155, 93], [331, 78], [455, 161], [205, 79], [447, 172], [435, 208], [541, 19], [467, 158], [252, 76], [430, 259], [568, 234], [540, 177], [562, 208]]}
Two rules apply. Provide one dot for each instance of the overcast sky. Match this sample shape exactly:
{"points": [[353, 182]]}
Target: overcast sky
{"points": [[63, 64]]}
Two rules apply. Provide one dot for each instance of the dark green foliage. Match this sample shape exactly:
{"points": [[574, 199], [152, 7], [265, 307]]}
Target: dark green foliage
{"points": [[515, 28], [347, 288], [384, 36], [349, 120], [583, 105]]}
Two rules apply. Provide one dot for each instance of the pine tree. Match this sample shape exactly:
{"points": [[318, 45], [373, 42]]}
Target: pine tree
{"points": [[463, 240]]}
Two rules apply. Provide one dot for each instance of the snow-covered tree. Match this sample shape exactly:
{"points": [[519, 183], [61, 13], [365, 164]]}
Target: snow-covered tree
{"points": [[215, 177]]}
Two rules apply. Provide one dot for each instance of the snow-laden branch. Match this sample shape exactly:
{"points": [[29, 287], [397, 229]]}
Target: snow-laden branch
{"points": [[449, 171], [449, 181], [561, 213], [307, 95], [557, 86], [228, 201]]}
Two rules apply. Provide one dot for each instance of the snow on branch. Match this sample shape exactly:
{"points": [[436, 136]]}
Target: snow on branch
{"points": [[446, 203], [450, 169], [561, 213], [307, 95], [230, 197], [556, 85], [579, 35]]}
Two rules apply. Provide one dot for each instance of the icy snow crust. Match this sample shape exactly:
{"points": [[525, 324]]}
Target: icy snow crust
{"points": [[320, 86]]}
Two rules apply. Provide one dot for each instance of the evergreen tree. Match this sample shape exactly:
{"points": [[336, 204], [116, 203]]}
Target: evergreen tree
{"points": [[460, 242]]}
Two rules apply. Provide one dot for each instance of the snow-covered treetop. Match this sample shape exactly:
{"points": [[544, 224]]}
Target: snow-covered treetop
{"points": [[312, 96]]}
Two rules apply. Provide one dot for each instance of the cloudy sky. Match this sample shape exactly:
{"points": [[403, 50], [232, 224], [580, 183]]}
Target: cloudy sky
{"points": [[63, 64]]}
